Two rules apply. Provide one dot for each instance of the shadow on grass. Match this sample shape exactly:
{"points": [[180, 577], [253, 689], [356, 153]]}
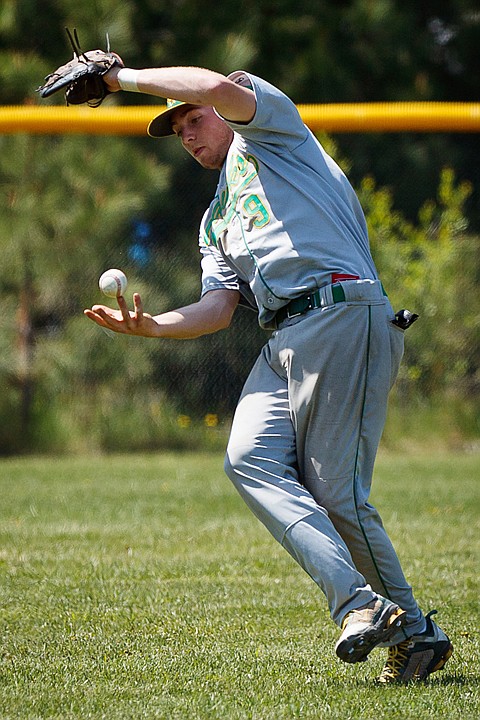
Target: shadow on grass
{"points": [[458, 680]]}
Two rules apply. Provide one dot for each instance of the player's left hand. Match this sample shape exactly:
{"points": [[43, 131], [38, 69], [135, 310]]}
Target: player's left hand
{"points": [[110, 77], [84, 78]]}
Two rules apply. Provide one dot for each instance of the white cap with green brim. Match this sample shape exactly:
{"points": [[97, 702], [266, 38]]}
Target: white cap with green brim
{"points": [[161, 126]]}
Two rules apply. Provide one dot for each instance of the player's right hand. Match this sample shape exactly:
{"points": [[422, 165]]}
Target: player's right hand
{"points": [[123, 320]]}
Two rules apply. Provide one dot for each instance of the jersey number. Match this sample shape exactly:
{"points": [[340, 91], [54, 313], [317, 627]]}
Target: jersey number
{"points": [[254, 207]]}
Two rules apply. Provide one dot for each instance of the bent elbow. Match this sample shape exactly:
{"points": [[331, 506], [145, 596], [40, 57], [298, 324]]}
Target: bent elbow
{"points": [[224, 320], [219, 87], [218, 308]]}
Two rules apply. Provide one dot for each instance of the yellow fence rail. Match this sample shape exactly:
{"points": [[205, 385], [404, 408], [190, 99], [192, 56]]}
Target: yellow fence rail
{"points": [[333, 118]]}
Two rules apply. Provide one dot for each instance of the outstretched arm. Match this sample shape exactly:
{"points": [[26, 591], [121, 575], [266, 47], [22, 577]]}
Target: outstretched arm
{"points": [[213, 312], [198, 86]]}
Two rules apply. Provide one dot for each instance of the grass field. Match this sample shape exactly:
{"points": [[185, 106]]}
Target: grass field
{"points": [[141, 587]]}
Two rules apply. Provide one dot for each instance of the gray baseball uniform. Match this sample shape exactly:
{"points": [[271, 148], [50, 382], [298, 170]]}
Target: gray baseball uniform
{"points": [[285, 222]]}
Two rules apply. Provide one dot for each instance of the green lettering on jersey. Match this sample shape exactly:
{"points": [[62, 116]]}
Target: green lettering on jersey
{"points": [[256, 209], [210, 237], [241, 171]]}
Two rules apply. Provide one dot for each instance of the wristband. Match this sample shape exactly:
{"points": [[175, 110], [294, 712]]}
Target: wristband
{"points": [[127, 79]]}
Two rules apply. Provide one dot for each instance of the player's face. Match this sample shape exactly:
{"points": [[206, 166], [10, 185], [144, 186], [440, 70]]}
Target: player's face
{"points": [[203, 135]]}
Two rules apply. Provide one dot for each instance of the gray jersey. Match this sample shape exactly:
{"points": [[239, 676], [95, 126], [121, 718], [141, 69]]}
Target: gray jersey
{"points": [[284, 218]]}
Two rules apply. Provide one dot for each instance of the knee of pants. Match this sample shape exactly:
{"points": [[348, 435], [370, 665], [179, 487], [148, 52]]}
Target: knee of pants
{"points": [[251, 479], [228, 466], [250, 470], [233, 461], [248, 487]]}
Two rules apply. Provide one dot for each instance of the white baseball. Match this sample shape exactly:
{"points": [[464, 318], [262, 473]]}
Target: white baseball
{"points": [[113, 283]]}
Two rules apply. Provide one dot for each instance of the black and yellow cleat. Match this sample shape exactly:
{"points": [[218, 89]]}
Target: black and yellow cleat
{"points": [[413, 660]]}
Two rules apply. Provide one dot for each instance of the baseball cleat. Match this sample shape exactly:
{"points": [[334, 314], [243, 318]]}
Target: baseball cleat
{"points": [[419, 656], [367, 627]]}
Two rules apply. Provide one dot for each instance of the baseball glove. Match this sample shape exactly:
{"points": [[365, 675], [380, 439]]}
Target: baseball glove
{"points": [[82, 76]]}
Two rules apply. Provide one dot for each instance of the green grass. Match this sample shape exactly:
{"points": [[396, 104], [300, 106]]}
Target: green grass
{"points": [[142, 587]]}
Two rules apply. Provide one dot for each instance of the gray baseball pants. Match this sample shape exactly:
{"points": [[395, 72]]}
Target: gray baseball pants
{"points": [[303, 445]]}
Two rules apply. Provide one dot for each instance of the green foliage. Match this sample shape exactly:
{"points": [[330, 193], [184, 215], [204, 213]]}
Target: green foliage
{"points": [[142, 587], [64, 211], [431, 268], [316, 51], [67, 212], [69, 207]]}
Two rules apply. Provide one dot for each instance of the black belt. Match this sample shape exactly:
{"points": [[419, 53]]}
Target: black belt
{"points": [[303, 304], [316, 299]]}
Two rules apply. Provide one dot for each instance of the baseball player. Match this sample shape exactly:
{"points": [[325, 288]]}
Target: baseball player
{"points": [[285, 234]]}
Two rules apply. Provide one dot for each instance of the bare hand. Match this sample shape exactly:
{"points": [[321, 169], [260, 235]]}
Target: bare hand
{"points": [[124, 321]]}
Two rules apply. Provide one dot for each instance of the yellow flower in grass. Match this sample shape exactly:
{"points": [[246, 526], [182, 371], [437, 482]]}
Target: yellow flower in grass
{"points": [[155, 409], [211, 420], [184, 421]]}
